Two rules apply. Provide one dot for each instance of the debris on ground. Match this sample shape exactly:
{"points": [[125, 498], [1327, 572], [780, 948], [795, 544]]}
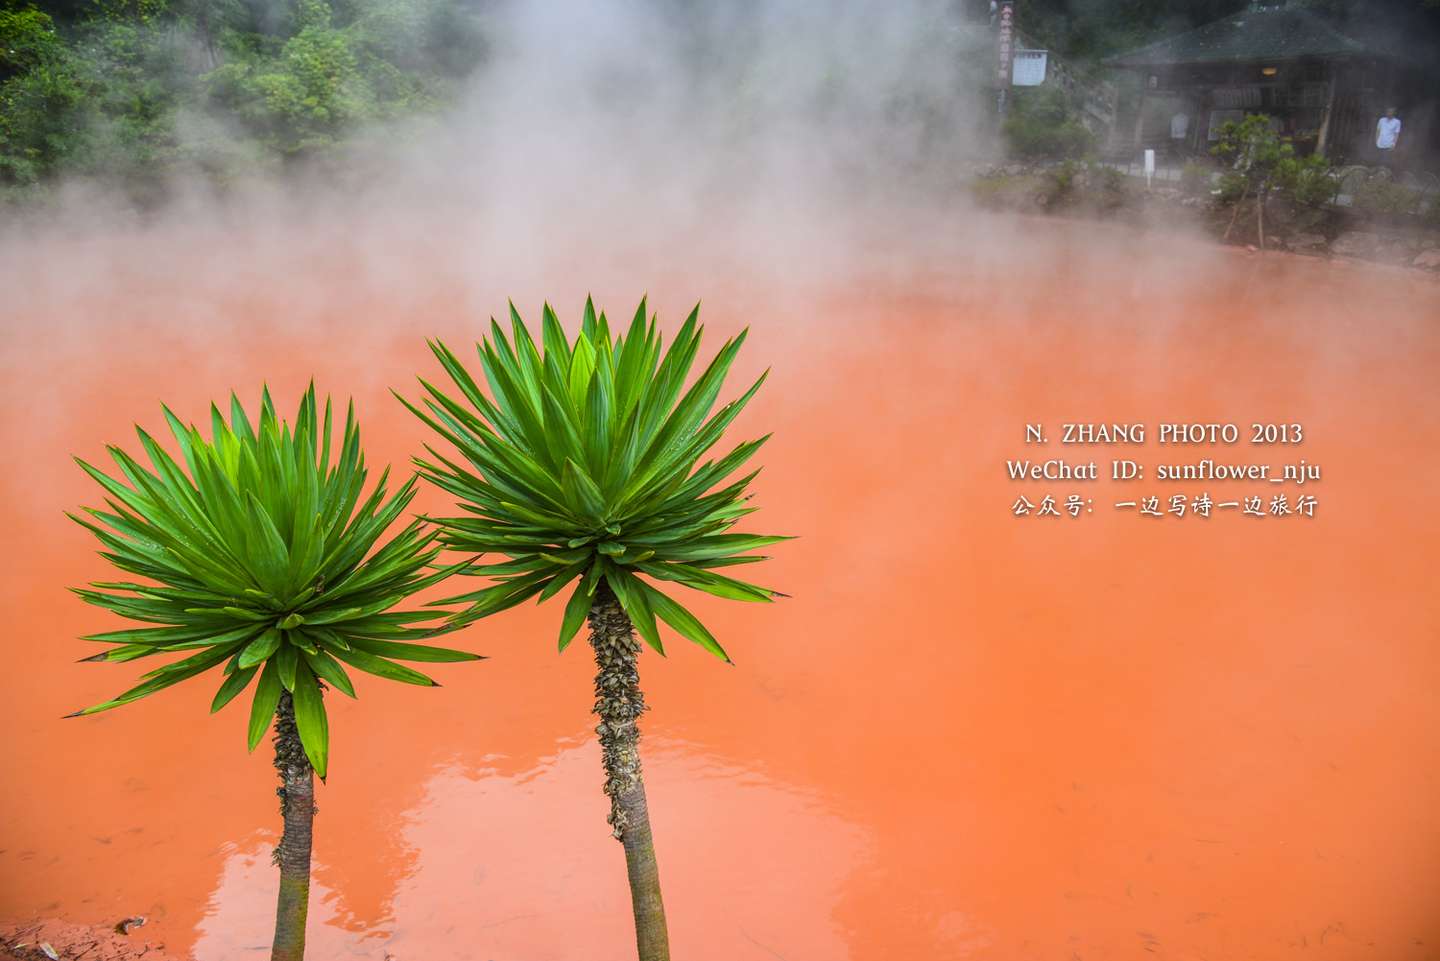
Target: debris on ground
{"points": [[64, 941]]}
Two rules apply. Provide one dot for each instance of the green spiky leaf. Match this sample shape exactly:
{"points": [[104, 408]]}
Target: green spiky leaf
{"points": [[311, 720], [592, 458], [259, 549]]}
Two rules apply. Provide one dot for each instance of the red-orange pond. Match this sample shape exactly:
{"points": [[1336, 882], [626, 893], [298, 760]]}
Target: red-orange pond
{"points": [[967, 735]]}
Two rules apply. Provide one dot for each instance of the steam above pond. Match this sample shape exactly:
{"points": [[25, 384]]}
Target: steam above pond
{"points": [[771, 135]]}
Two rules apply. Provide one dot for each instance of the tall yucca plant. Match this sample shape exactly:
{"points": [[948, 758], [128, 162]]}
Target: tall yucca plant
{"points": [[584, 469], [262, 559]]}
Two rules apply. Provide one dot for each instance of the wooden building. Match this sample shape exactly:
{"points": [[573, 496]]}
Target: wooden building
{"points": [[1323, 88]]}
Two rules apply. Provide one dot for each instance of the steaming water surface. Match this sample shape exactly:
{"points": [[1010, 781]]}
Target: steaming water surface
{"points": [[966, 736]]}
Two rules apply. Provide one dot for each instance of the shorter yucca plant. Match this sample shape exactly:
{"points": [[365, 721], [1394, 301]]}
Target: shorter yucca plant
{"points": [[261, 556], [584, 472]]}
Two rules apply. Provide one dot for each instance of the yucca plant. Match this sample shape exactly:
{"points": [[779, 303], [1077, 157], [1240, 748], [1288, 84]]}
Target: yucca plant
{"points": [[584, 469], [263, 559]]}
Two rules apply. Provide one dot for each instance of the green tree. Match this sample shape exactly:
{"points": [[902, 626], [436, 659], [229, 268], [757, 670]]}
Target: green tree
{"points": [[131, 92], [138, 80], [306, 97], [1262, 163], [40, 91], [327, 80], [27, 38], [1043, 123], [259, 555], [38, 120], [584, 468], [98, 101]]}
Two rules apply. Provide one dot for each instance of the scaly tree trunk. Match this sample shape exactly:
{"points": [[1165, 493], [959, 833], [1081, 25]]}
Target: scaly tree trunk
{"points": [[292, 856], [619, 704]]}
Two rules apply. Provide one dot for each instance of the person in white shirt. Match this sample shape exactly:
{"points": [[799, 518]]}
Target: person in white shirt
{"points": [[1387, 134]]}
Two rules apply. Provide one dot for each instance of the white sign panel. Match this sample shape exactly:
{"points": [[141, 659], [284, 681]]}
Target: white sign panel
{"points": [[1028, 69]]}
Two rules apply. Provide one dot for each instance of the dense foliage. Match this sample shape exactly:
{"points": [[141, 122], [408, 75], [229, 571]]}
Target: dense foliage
{"points": [[1043, 123], [1259, 161], [135, 90], [263, 558], [584, 467]]}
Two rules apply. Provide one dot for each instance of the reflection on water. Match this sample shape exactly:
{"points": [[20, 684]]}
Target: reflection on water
{"points": [[242, 908], [499, 860], [966, 736], [478, 846]]}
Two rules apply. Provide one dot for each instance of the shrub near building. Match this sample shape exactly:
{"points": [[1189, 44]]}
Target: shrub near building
{"points": [[1044, 125]]}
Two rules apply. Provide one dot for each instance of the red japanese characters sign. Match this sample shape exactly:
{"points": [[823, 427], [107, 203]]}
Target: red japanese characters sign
{"points": [[1006, 43]]}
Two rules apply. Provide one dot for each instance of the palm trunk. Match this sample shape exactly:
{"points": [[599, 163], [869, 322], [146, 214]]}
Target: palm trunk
{"points": [[292, 856], [619, 704]]}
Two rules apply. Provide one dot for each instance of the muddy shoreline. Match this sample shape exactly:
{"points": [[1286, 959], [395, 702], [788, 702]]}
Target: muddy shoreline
{"points": [[1075, 192], [47, 940]]}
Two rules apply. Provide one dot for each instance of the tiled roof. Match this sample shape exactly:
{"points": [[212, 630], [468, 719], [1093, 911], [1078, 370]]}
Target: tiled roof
{"points": [[1256, 34]]}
